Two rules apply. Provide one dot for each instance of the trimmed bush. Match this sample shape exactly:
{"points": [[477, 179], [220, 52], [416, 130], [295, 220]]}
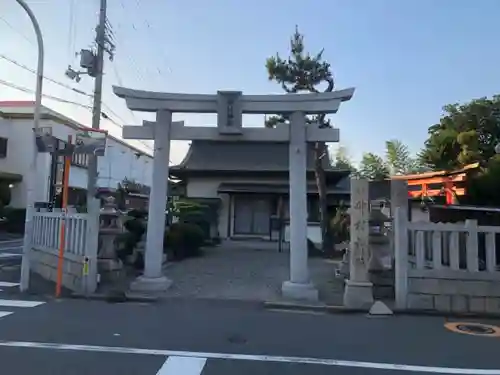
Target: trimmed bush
{"points": [[137, 214], [183, 240], [15, 219], [135, 226], [126, 242]]}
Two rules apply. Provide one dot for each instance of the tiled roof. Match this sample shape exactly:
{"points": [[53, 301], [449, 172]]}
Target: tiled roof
{"points": [[242, 156], [376, 189]]}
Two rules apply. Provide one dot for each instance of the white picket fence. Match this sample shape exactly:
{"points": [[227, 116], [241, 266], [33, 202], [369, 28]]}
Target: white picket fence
{"points": [[47, 231], [452, 246], [444, 250]]}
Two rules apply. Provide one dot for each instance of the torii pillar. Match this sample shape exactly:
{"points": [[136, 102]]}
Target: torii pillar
{"points": [[230, 106]]}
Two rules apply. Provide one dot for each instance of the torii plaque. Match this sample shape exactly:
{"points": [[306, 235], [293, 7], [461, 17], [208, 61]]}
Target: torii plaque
{"points": [[230, 107]]}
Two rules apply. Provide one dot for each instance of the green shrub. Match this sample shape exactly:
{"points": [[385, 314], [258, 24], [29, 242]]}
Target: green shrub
{"points": [[126, 242], [135, 226], [137, 214], [16, 218], [183, 240]]}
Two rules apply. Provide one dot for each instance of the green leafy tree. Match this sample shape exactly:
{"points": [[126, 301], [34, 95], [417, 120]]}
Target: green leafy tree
{"points": [[342, 160], [373, 167], [466, 133], [396, 161], [400, 160], [397, 157], [302, 72]]}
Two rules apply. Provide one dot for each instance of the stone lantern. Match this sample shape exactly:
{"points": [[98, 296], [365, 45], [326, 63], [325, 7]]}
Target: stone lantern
{"points": [[109, 228], [379, 240]]}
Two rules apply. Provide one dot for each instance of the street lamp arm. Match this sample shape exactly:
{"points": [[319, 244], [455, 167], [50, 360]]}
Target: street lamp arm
{"points": [[39, 71], [31, 180]]}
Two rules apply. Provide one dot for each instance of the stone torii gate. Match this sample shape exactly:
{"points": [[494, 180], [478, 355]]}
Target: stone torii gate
{"points": [[230, 106]]}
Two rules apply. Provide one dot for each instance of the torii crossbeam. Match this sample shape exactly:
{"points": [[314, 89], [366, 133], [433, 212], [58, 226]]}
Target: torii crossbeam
{"points": [[229, 107]]}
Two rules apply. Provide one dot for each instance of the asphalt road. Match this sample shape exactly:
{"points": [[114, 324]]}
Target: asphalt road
{"points": [[210, 338], [11, 250]]}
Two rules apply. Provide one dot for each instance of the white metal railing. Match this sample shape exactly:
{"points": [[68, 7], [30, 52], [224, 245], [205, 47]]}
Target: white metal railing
{"points": [[47, 231], [459, 246]]}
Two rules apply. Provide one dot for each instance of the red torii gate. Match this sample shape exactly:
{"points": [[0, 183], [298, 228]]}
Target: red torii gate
{"points": [[451, 184]]}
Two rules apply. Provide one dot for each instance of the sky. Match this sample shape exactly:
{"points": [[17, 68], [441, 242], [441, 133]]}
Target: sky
{"points": [[406, 59]]}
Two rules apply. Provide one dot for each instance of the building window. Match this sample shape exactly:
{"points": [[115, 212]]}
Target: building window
{"points": [[3, 147], [80, 160]]}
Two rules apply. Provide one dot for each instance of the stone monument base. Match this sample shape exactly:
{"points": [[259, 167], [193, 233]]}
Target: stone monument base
{"points": [[358, 295], [150, 285], [299, 291], [109, 269]]}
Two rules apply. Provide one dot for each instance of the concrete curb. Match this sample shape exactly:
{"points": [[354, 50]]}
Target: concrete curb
{"points": [[115, 297], [313, 307], [333, 309], [467, 315]]}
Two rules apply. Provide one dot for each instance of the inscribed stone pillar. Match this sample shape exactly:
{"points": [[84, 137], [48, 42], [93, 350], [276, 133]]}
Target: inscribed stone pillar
{"points": [[399, 196], [399, 199], [358, 289], [299, 286], [153, 278]]}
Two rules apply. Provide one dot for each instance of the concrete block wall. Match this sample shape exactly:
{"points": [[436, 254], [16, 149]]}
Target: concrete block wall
{"points": [[44, 263], [454, 291]]}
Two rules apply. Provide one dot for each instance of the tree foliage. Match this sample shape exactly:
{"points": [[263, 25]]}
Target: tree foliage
{"points": [[300, 71], [373, 167], [397, 160], [342, 160], [466, 133], [303, 72]]}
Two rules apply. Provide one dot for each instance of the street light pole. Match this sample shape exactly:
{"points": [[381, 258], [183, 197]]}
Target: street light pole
{"points": [[30, 189]]}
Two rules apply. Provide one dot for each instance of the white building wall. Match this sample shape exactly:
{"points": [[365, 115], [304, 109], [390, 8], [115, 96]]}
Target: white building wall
{"points": [[205, 187], [119, 162], [122, 162]]}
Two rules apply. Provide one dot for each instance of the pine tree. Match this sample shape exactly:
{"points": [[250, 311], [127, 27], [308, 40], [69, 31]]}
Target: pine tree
{"points": [[302, 72]]}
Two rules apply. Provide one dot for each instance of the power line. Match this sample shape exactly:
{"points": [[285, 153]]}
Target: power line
{"points": [[30, 91], [146, 27], [64, 101], [9, 25], [57, 99], [63, 85], [120, 82], [33, 71]]}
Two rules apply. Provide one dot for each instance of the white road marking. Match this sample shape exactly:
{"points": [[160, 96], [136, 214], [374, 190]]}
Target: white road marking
{"points": [[19, 303], [10, 255], [251, 357], [182, 365], [4, 313], [19, 240], [7, 284]]}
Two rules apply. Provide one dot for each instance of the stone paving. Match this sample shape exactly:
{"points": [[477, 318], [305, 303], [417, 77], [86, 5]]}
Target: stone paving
{"points": [[247, 270]]}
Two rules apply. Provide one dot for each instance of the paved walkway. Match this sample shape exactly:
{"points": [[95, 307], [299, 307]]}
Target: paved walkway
{"points": [[246, 270]]}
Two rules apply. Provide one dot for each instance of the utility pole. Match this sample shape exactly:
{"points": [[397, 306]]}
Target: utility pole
{"points": [[93, 63], [96, 110]]}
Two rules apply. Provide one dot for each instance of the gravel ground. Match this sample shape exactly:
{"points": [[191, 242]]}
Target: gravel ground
{"points": [[246, 270]]}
